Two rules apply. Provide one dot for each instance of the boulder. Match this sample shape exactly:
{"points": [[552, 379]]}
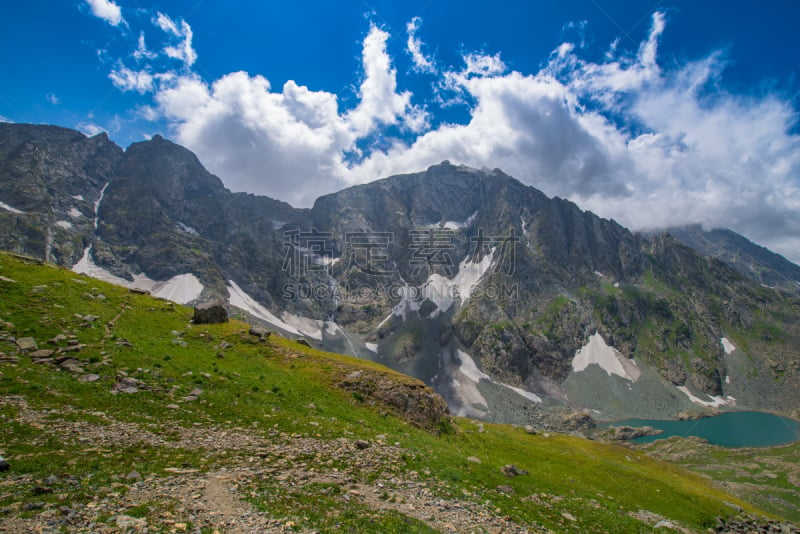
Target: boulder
{"points": [[211, 313]]}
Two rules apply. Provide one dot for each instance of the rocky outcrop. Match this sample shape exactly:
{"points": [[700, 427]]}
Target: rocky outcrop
{"points": [[626, 433], [211, 313], [408, 398]]}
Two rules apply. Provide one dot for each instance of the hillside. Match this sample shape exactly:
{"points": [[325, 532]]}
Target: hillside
{"points": [[124, 414]]}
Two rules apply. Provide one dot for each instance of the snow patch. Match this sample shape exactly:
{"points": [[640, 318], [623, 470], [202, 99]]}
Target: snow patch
{"points": [[306, 326], [715, 402], [74, 213], [443, 291], [469, 370], [470, 274], [727, 346], [12, 210], [408, 303], [596, 351], [182, 288], [372, 347], [187, 229], [78, 197], [239, 299], [598, 273], [66, 225], [289, 322], [727, 379], [455, 225]]}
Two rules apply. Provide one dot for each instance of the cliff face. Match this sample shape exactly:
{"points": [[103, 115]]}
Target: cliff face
{"points": [[464, 278]]}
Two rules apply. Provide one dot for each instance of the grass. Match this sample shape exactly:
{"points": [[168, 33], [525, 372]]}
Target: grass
{"points": [[280, 390]]}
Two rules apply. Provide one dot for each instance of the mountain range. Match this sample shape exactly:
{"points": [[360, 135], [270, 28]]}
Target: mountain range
{"points": [[514, 306]]}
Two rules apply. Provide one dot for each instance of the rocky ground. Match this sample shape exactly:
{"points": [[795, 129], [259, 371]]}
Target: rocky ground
{"points": [[219, 499]]}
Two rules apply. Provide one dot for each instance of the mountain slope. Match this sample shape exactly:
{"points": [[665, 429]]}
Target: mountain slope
{"points": [[153, 421], [514, 306], [742, 254]]}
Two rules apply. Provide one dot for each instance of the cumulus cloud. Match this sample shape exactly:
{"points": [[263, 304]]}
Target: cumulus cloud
{"points": [[414, 47], [106, 10]]}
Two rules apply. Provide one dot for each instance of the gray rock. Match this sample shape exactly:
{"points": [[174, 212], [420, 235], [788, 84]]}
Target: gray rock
{"points": [[259, 332], [89, 378], [505, 489], [360, 444], [41, 353], [511, 471], [4, 465], [27, 344], [211, 313]]}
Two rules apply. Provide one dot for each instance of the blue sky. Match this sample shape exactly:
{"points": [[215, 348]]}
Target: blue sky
{"points": [[652, 114]]}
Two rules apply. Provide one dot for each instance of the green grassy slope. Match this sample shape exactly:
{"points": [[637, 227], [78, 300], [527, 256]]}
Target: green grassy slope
{"points": [[273, 423]]}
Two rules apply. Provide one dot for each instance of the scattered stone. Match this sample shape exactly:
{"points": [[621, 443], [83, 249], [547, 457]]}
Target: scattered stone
{"points": [[360, 444], [172, 407], [259, 332], [133, 475], [568, 516], [505, 489], [210, 313], [193, 395], [90, 318], [41, 353], [4, 465], [473, 459], [7, 280], [529, 429], [41, 490], [7, 358], [72, 365], [122, 342], [355, 375], [27, 344], [511, 471], [89, 378], [126, 385], [33, 506]]}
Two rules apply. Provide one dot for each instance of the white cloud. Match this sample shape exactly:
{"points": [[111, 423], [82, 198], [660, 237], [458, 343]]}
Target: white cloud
{"points": [[182, 49], [141, 52], [52, 98], [126, 79], [5, 119], [89, 128], [379, 102], [290, 143], [106, 10], [414, 47]]}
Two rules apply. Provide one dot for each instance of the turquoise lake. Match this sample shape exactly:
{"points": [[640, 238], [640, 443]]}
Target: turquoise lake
{"points": [[732, 429]]}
